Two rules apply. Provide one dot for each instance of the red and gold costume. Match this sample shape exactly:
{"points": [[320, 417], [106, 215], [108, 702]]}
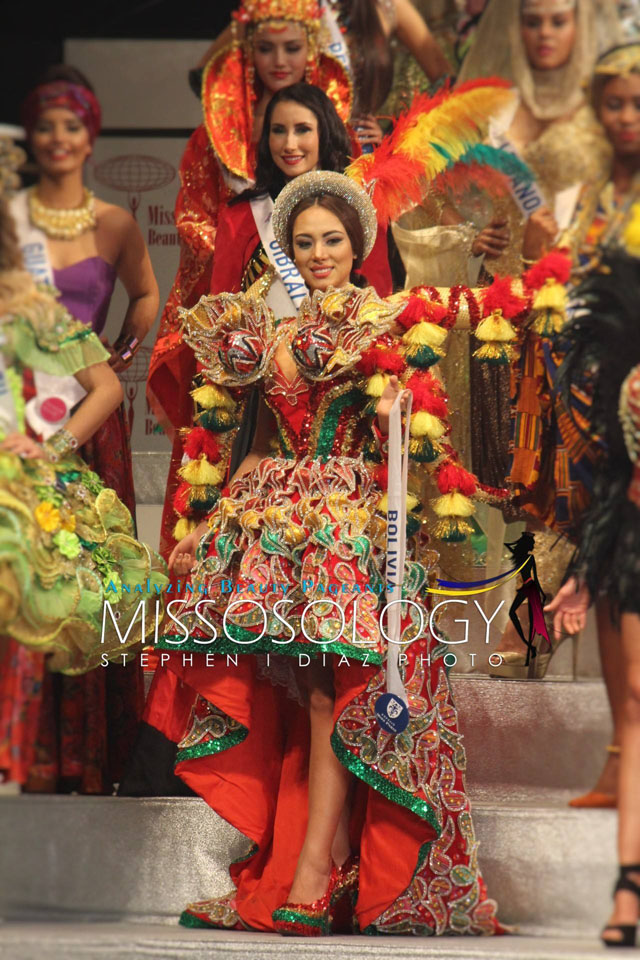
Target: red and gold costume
{"points": [[218, 163], [309, 522]]}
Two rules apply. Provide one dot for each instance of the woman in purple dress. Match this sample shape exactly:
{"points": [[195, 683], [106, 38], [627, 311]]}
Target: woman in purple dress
{"points": [[81, 245]]}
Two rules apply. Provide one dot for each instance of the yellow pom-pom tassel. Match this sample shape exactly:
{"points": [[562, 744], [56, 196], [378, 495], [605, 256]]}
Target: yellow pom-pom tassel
{"points": [[201, 473], [453, 505], [425, 334], [412, 502], [452, 529], [383, 503], [424, 424], [182, 528], [209, 396], [495, 328], [551, 296], [549, 322], [376, 384], [631, 235]]}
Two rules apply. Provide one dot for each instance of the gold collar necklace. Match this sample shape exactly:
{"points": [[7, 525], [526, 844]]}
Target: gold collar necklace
{"points": [[63, 224]]}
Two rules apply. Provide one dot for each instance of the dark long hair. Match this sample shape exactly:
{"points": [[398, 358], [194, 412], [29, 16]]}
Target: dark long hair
{"points": [[333, 139], [374, 62], [521, 548]]}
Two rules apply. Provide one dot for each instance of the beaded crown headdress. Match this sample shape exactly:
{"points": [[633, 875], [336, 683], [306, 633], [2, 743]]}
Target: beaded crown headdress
{"points": [[316, 184], [557, 6], [257, 11], [619, 61]]}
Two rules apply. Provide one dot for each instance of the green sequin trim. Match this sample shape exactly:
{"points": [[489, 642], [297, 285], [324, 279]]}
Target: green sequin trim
{"points": [[285, 915], [376, 780], [188, 920], [266, 644], [78, 336], [211, 747], [327, 433], [247, 856]]}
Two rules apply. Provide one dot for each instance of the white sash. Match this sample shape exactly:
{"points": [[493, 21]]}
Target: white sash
{"points": [[337, 45], [55, 396], [398, 470], [289, 289], [527, 196]]}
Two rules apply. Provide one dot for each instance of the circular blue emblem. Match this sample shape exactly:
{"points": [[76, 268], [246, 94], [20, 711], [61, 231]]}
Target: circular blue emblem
{"points": [[392, 713]]}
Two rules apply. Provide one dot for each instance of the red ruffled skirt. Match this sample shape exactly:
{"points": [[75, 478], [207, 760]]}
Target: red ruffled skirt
{"points": [[230, 697]]}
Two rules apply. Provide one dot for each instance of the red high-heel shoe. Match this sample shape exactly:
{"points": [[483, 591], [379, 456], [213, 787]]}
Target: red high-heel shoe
{"points": [[345, 896], [309, 919]]}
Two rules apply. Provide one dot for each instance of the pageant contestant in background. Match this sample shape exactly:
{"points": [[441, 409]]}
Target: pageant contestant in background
{"points": [[603, 352], [559, 488], [362, 34], [64, 536], [294, 757], [81, 244], [280, 47], [547, 49]]}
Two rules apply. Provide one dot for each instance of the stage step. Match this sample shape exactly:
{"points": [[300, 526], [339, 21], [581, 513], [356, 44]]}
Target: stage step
{"points": [[525, 739], [119, 941], [108, 858], [529, 747]]}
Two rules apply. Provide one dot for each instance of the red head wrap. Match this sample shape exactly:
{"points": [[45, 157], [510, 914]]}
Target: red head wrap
{"points": [[60, 93]]}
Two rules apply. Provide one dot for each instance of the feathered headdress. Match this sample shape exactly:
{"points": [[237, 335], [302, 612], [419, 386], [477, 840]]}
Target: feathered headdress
{"points": [[438, 143]]}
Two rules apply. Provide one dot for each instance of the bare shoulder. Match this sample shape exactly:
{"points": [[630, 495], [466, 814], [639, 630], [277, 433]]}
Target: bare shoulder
{"points": [[114, 218]]}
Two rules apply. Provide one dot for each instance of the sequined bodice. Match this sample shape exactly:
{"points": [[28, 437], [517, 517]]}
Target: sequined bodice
{"points": [[319, 401], [321, 419]]}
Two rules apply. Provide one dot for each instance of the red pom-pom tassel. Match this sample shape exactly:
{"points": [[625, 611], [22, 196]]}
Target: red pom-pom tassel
{"points": [[181, 499], [500, 296], [451, 477], [199, 441], [555, 265]]}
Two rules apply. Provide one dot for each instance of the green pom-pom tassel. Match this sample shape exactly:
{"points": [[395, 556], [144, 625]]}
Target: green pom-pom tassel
{"points": [[421, 449], [423, 357], [217, 420], [413, 525], [454, 537], [206, 503]]}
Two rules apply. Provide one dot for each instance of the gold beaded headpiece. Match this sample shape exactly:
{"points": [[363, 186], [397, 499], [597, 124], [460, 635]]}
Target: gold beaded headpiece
{"points": [[316, 184], [558, 6], [619, 61], [259, 11]]}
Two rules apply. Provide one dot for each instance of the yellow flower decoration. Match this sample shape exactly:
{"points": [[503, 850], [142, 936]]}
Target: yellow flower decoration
{"points": [[47, 516]]}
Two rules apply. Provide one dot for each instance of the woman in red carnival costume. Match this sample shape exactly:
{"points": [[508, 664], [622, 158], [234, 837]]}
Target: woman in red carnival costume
{"points": [[81, 245], [293, 756], [280, 47]]}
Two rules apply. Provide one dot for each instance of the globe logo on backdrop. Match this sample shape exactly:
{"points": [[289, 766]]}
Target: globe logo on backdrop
{"points": [[133, 174]]}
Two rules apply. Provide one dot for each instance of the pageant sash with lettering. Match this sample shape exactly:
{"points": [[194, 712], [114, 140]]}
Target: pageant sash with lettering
{"points": [[55, 396], [289, 289]]}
